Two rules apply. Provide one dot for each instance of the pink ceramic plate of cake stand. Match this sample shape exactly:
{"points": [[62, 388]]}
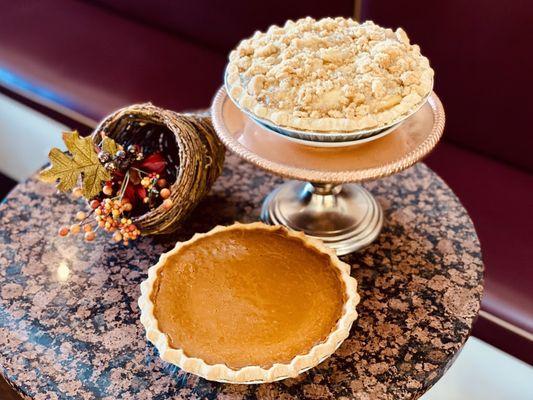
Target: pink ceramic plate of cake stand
{"points": [[324, 200]]}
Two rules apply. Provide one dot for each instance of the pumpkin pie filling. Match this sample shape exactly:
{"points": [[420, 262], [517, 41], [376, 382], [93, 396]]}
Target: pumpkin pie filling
{"points": [[247, 298]]}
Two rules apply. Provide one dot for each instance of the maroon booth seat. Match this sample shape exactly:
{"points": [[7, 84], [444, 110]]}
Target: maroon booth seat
{"points": [[478, 50], [90, 57], [92, 61]]}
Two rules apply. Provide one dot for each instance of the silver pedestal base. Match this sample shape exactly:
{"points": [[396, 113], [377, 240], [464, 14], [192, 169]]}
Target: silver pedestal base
{"points": [[346, 218]]}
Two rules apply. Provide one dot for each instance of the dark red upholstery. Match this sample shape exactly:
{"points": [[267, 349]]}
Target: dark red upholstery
{"points": [[480, 52], [222, 24], [95, 56], [94, 61]]}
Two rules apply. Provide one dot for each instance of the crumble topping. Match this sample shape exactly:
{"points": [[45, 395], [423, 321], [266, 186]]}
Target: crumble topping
{"points": [[333, 74]]}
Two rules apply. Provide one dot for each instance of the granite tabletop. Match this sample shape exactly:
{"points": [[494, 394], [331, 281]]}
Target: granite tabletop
{"points": [[69, 320]]}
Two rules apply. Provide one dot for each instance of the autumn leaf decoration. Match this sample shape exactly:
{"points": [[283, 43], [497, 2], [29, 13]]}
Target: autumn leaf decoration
{"points": [[83, 161]]}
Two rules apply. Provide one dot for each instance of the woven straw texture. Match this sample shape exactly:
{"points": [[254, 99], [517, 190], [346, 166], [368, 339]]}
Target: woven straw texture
{"points": [[193, 152]]}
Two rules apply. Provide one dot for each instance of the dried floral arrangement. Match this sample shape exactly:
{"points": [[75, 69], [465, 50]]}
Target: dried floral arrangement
{"points": [[142, 171]]}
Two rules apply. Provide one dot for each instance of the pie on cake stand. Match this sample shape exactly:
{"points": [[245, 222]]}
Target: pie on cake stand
{"points": [[324, 200]]}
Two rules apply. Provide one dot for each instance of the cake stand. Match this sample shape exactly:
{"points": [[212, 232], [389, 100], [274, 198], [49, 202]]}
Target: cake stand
{"points": [[324, 199]]}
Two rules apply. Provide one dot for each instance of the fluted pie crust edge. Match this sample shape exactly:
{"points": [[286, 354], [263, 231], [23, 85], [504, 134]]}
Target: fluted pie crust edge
{"points": [[251, 374]]}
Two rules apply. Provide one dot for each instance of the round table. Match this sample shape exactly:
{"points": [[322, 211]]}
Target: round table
{"points": [[69, 320]]}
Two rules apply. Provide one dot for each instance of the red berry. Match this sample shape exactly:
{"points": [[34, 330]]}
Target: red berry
{"points": [[63, 231], [94, 204]]}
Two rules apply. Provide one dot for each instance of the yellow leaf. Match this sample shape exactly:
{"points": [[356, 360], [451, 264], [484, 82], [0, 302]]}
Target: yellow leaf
{"points": [[92, 181], [109, 145], [62, 168], [84, 161], [81, 148]]}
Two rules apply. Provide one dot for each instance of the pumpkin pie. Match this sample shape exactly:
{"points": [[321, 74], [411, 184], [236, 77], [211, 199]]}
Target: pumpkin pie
{"points": [[329, 75], [248, 303]]}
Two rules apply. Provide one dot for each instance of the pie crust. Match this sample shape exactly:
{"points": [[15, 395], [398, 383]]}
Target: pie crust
{"points": [[173, 333], [330, 75]]}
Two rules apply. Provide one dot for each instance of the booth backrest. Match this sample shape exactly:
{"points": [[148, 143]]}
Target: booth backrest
{"points": [[221, 24], [481, 51]]}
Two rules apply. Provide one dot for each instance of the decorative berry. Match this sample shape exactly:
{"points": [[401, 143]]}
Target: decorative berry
{"points": [[167, 204], [87, 228], [63, 231], [74, 229], [165, 193], [80, 215], [127, 207], [146, 200], [117, 237], [89, 236], [108, 190], [104, 157], [94, 204], [162, 183]]}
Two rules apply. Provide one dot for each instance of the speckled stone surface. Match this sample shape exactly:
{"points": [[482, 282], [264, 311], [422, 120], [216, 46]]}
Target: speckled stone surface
{"points": [[69, 320]]}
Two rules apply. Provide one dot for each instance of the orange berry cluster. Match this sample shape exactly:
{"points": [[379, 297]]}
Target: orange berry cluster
{"points": [[74, 229], [112, 213], [156, 186], [110, 216]]}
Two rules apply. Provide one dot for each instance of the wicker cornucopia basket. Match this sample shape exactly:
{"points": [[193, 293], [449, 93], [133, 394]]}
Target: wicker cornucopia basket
{"points": [[193, 153]]}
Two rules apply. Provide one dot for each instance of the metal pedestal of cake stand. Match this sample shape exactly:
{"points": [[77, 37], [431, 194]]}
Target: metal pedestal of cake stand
{"points": [[345, 217], [324, 201]]}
